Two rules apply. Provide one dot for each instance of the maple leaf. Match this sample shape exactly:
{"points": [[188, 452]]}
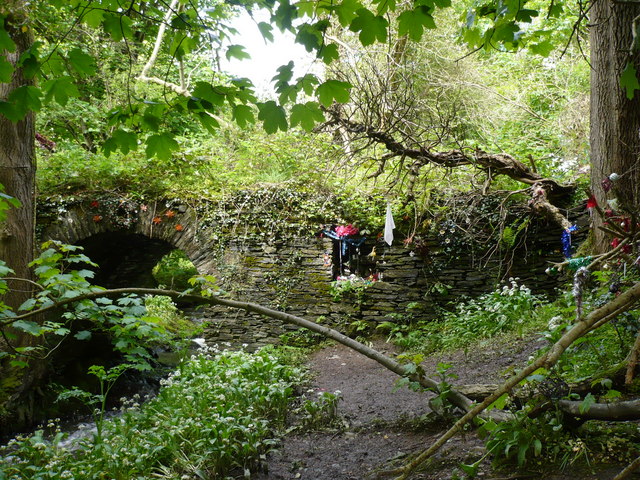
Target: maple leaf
{"points": [[179, 228], [156, 220], [170, 214], [97, 218]]}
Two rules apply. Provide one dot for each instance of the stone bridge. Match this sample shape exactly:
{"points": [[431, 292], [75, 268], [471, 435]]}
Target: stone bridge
{"points": [[127, 239]]}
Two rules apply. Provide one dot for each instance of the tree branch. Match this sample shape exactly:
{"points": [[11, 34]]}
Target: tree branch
{"points": [[621, 303], [498, 163], [455, 397]]}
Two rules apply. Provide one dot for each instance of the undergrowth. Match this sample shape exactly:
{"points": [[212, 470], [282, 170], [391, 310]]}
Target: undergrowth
{"points": [[217, 415], [510, 308]]}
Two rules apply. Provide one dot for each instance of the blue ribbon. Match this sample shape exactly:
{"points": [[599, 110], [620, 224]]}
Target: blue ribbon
{"points": [[565, 238]]}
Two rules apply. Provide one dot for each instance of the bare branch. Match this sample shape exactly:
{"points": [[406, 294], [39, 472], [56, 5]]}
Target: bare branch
{"points": [[455, 397]]}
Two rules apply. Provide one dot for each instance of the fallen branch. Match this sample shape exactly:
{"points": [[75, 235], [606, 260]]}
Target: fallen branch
{"points": [[456, 398], [585, 324], [632, 467], [616, 411], [632, 362]]}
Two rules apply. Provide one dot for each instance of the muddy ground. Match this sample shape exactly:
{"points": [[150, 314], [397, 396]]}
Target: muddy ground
{"points": [[380, 426]]}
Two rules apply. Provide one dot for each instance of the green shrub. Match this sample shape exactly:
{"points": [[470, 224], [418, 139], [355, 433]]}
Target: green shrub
{"points": [[164, 313], [506, 309], [174, 270]]}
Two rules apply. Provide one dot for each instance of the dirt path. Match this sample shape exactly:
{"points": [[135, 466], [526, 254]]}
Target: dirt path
{"points": [[383, 426]]}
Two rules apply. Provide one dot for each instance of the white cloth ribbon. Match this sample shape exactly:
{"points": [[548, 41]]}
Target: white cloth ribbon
{"points": [[389, 225]]}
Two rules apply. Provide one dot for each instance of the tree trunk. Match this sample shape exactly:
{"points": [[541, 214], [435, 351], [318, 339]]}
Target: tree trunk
{"points": [[615, 120], [17, 175]]}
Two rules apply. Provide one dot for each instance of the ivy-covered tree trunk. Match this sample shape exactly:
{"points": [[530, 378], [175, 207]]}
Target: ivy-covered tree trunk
{"points": [[615, 119], [17, 175]]}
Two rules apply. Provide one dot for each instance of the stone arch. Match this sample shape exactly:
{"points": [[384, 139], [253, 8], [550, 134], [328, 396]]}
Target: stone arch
{"points": [[163, 227]]}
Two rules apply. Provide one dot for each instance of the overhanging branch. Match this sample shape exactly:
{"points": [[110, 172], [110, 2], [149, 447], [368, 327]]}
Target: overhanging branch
{"points": [[497, 163]]}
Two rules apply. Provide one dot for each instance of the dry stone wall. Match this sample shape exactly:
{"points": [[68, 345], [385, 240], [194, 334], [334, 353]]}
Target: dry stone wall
{"points": [[293, 276], [291, 273]]}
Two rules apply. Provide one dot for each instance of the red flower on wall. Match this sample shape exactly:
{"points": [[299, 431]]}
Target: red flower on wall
{"points": [[95, 204], [97, 218], [170, 214], [156, 220], [179, 228]]}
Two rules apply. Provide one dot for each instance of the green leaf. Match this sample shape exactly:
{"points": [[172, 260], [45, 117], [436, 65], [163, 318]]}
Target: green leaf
{"points": [[413, 22], [284, 15], [27, 326], [82, 62], [284, 75], [333, 90], [21, 101], [629, 80], [161, 145], [83, 335], [499, 403], [208, 122], [506, 33], [585, 405], [30, 61], [526, 15], [6, 43], [206, 91], [6, 70], [266, 29], [273, 116], [329, 53], [93, 17], [472, 469], [243, 115], [385, 6], [345, 10], [371, 27], [306, 115], [120, 140], [118, 26], [4, 270], [237, 51], [307, 83], [312, 36], [543, 48], [537, 447], [28, 305], [61, 88], [555, 9], [281, 81]]}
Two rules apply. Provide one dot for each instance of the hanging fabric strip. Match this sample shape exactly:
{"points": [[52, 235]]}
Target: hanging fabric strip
{"points": [[389, 225]]}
